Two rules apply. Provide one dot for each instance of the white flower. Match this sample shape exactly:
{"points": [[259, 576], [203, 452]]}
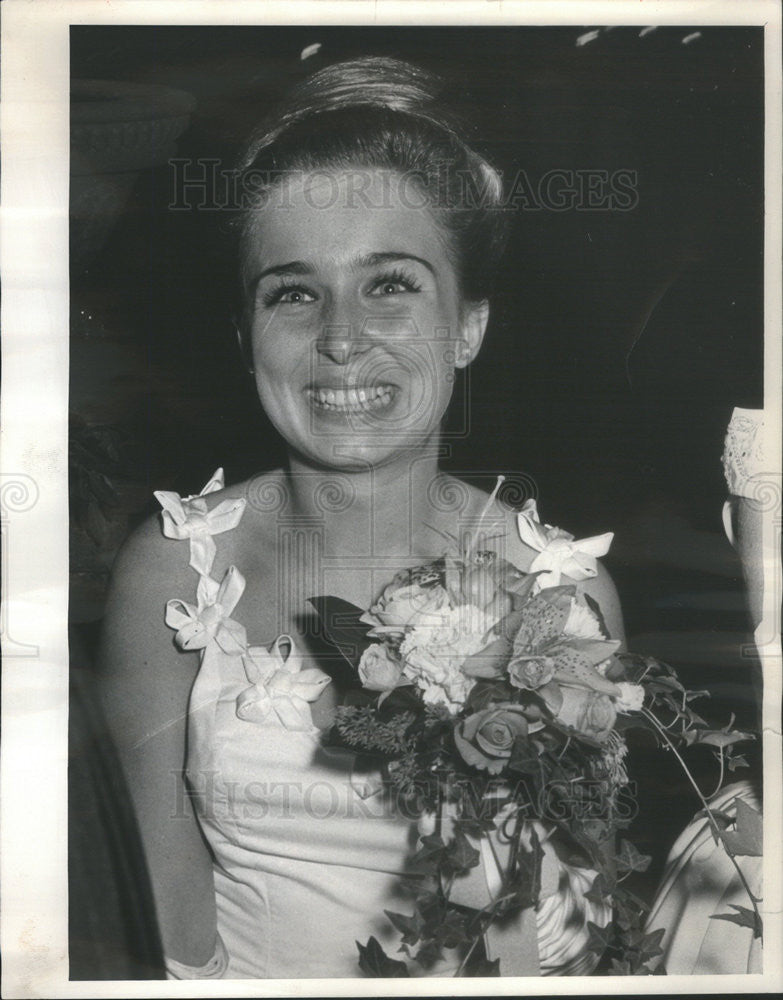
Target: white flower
{"points": [[378, 669], [210, 620], [188, 517], [559, 552], [630, 698], [433, 654], [581, 622], [280, 688]]}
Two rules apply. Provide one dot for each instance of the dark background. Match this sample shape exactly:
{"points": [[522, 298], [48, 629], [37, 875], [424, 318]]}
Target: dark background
{"points": [[619, 341]]}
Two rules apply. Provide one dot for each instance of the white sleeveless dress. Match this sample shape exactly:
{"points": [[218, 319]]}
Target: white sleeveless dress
{"points": [[307, 847]]}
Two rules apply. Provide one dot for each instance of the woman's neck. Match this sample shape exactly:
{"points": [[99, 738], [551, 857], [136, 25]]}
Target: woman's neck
{"points": [[381, 511]]}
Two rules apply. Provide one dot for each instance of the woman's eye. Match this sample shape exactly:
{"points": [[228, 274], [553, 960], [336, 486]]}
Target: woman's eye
{"points": [[393, 286], [295, 297], [288, 296]]}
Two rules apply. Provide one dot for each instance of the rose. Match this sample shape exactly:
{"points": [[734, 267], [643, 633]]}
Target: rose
{"points": [[586, 711], [487, 738], [409, 605], [378, 669], [531, 672]]}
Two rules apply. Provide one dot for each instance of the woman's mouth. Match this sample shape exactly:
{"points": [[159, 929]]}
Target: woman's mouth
{"points": [[362, 399]]}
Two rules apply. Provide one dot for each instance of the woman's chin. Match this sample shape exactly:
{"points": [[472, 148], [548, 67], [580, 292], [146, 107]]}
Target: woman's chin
{"points": [[360, 452]]}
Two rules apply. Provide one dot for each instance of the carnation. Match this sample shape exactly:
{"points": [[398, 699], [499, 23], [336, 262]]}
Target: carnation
{"points": [[433, 655], [630, 698], [582, 623]]}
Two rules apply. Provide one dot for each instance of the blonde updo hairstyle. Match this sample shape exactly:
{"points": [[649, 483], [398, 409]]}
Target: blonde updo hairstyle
{"points": [[378, 112]]}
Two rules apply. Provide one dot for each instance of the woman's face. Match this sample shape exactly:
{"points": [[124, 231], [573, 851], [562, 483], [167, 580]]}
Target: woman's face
{"points": [[354, 316]]}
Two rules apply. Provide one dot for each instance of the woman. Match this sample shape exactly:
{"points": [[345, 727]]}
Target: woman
{"points": [[700, 881], [366, 260]]}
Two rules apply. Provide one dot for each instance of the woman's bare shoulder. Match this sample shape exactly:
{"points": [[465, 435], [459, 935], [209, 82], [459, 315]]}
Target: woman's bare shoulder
{"points": [[148, 555]]}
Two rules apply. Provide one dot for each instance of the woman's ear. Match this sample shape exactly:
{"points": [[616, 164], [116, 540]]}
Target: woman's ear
{"points": [[243, 339], [473, 325]]}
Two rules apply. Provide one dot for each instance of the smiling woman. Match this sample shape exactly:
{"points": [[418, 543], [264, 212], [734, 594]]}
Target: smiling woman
{"points": [[367, 249], [342, 336]]}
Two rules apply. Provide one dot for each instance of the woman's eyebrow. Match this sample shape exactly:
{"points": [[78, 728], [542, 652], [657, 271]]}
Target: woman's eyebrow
{"points": [[292, 267], [374, 259], [368, 260]]}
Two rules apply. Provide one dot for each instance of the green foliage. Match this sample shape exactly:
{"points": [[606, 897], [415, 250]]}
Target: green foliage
{"points": [[747, 839], [373, 961], [360, 727], [630, 860], [743, 917]]}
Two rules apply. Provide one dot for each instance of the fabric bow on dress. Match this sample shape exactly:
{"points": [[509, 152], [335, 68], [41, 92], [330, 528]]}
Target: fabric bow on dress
{"points": [[558, 551], [279, 686], [188, 517], [210, 619]]}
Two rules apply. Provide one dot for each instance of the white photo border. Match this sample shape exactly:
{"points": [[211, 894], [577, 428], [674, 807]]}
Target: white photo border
{"points": [[35, 354]]}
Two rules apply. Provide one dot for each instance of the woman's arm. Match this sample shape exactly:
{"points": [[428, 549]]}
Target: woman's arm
{"points": [[603, 591], [145, 684]]}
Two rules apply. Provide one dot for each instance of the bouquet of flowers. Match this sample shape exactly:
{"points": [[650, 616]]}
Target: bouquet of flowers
{"points": [[498, 706]]}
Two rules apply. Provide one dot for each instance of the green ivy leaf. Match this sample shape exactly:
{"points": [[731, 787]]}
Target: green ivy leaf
{"points": [[715, 737], [429, 856], [452, 931], [646, 945], [744, 917], [374, 962], [409, 927], [599, 890], [429, 954], [747, 839], [461, 855], [600, 937], [629, 909], [737, 761], [429, 906], [663, 685], [630, 860]]}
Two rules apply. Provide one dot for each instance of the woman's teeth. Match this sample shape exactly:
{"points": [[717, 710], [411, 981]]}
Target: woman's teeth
{"points": [[352, 400]]}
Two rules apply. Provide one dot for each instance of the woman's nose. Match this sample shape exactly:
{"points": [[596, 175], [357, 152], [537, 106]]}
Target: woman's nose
{"points": [[343, 336]]}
